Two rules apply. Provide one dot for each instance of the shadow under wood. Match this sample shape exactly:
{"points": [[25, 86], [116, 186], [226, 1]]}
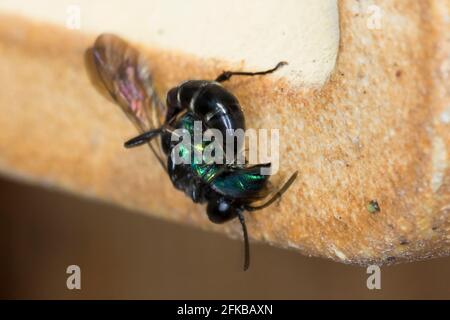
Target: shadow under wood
{"points": [[126, 255]]}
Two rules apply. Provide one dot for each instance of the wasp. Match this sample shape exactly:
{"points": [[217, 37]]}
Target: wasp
{"points": [[228, 189]]}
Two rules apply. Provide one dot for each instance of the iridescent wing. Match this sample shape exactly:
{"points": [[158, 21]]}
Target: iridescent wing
{"points": [[127, 77]]}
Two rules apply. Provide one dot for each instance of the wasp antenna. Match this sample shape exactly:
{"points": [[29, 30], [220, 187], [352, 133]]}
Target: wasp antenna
{"points": [[276, 196], [246, 242]]}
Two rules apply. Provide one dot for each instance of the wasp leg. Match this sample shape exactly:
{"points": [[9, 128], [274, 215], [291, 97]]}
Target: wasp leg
{"points": [[226, 75], [143, 138], [276, 196], [148, 136]]}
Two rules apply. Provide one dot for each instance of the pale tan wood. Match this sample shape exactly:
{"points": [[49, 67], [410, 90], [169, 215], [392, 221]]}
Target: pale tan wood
{"points": [[379, 129]]}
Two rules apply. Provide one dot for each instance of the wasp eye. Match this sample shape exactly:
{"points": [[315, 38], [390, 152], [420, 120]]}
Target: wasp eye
{"points": [[221, 210]]}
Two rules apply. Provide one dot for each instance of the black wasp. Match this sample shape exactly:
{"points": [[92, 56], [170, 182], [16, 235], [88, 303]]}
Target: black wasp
{"points": [[228, 189]]}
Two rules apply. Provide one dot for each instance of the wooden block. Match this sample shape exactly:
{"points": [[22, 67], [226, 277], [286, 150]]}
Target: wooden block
{"points": [[371, 143]]}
